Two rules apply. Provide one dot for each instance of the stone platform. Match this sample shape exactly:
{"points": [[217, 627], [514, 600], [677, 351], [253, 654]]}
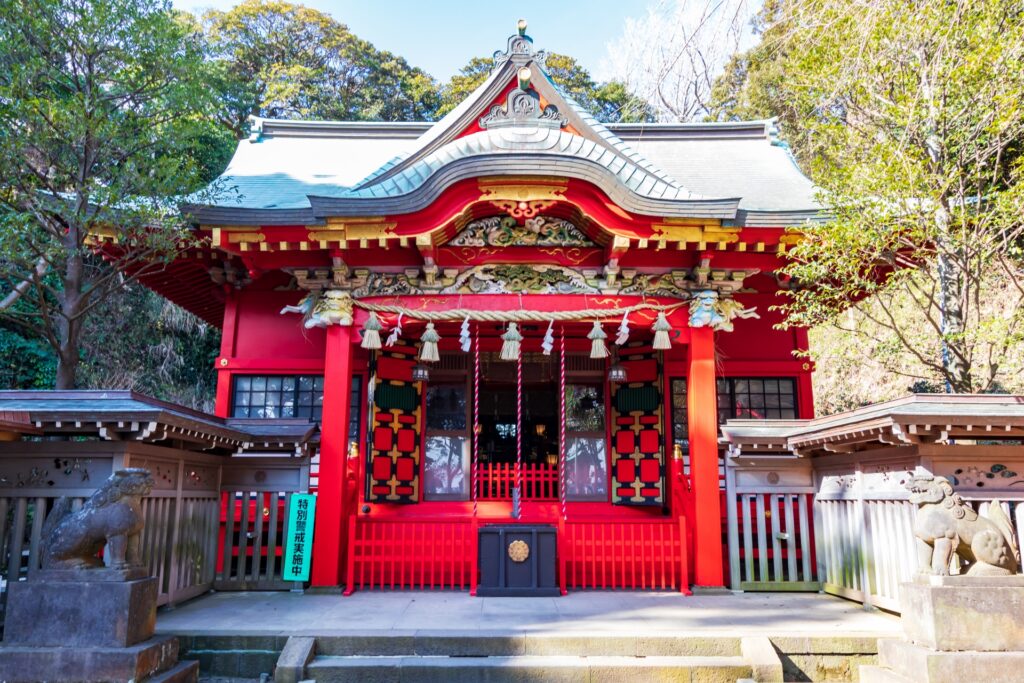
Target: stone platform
{"points": [[956, 628], [383, 635], [91, 625]]}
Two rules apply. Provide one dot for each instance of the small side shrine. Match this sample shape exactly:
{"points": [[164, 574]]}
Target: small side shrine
{"points": [[516, 315], [830, 502]]}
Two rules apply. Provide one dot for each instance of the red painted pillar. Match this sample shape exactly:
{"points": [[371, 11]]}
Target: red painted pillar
{"points": [[331, 528], [804, 385], [702, 408], [222, 406]]}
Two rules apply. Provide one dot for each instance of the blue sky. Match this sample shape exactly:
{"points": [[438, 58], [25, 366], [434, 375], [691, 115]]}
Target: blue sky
{"points": [[442, 36]]}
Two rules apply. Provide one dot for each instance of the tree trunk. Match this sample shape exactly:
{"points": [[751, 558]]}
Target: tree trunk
{"points": [[955, 367], [69, 324]]}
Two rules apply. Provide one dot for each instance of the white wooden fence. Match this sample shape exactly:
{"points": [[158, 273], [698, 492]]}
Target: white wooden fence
{"points": [[844, 524], [183, 513], [770, 529]]}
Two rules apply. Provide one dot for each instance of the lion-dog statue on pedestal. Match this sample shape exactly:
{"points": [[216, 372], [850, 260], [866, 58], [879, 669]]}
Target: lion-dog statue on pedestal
{"points": [[945, 525], [112, 516]]}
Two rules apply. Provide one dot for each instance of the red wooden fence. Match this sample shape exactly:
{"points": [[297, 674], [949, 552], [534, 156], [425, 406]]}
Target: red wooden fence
{"points": [[496, 481], [420, 553], [637, 554]]}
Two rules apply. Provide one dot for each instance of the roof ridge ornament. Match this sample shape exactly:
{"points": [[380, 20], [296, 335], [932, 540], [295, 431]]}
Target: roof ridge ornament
{"points": [[519, 49], [522, 107]]}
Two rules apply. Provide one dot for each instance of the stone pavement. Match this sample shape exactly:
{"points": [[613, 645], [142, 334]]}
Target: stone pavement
{"points": [[620, 612]]}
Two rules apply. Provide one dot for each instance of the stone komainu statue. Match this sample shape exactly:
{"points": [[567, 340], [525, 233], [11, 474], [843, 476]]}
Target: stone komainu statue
{"points": [[111, 516], [945, 525]]}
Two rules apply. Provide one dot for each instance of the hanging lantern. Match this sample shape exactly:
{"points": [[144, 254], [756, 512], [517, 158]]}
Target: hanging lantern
{"points": [[465, 341], [661, 329], [548, 343], [597, 337], [428, 351], [371, 332], [395, 333], [617, 373], [420, 373], [511, 339]]}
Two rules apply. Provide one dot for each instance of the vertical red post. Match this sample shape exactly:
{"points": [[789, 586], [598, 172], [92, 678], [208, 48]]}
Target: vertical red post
{"points": [[702, 405], [804, 386], [222, 406], [329, 532]]}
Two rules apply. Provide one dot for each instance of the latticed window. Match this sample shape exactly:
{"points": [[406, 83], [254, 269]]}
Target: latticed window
{"points": [[756, 398], [278, 396]]}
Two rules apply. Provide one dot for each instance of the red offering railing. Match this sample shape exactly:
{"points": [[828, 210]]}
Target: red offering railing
{"points": [[645, 554], [405, 553], [496, 481]]}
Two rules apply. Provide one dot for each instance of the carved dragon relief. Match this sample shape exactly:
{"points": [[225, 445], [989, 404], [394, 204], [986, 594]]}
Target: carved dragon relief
{"points": [[517, 278], [505, 231]]}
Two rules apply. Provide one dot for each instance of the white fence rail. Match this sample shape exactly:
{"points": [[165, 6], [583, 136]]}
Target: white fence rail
{"points": [[770, 527], [867, 547]]}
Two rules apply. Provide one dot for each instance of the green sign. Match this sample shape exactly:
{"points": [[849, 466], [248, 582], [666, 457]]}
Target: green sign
{"points": [[298, 545]]}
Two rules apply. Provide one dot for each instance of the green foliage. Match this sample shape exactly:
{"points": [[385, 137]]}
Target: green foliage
{"points": [[279, 60], [910, 117], [103, 108], [138, 340], [609, 102]]}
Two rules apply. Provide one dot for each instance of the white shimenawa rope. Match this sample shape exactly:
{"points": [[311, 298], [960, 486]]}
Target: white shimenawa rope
{"points": [[514, 315]]}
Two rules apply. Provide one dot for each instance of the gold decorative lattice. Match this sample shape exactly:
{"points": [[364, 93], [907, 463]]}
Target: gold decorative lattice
{"points": [[518, 551]]}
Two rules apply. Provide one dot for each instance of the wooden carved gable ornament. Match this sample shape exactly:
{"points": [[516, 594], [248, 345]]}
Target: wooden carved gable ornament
{"points": [[505, 231]]}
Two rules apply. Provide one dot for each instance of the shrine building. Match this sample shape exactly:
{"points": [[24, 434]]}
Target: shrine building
{"points": [[515, 316]]}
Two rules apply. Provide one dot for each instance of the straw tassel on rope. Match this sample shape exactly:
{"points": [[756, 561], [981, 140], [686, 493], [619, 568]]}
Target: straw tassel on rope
{"points": [[371, 332], [430, 337], [661, 329], [511, 339], [597, 337]]}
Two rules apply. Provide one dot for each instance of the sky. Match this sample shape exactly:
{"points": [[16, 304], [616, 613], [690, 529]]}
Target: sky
{"points": [[441, 36]]}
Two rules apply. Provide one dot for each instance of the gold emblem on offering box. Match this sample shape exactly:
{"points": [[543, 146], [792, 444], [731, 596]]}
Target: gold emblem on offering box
{"points": [[518, 551]]}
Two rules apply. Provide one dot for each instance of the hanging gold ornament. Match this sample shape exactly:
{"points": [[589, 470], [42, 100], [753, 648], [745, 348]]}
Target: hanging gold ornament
{"points": [[661, 329], [597, 337], [428, 351], [371, 332], [511, 339]]}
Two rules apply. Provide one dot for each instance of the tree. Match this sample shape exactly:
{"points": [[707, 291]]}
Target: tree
{"points": [[910, 116], [671, 56], [609, 102], [101, 104], [280, 60]]}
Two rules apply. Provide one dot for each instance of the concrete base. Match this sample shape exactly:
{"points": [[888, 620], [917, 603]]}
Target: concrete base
{"points": [[156, 657], [923, 664], [956, 628], [69, 613], [952, 613]]}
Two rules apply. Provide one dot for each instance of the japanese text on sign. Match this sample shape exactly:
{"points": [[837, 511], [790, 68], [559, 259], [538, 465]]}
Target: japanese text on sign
{"points": [[299, 540]]}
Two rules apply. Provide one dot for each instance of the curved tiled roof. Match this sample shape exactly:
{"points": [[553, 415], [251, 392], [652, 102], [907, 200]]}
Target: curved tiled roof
{"points": [[293, 172]]}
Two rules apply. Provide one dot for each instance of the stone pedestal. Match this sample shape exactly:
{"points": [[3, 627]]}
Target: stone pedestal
{"points": [[90, 625], [956, 628]]}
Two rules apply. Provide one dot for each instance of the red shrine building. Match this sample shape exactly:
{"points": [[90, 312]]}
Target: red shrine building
{"points": [[514, 318]]}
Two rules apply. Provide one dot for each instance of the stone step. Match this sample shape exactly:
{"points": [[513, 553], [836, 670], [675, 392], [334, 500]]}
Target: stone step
{"points": [[484, 644], [515, 669], [135, 662], [182, 672], [880, 674]]}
